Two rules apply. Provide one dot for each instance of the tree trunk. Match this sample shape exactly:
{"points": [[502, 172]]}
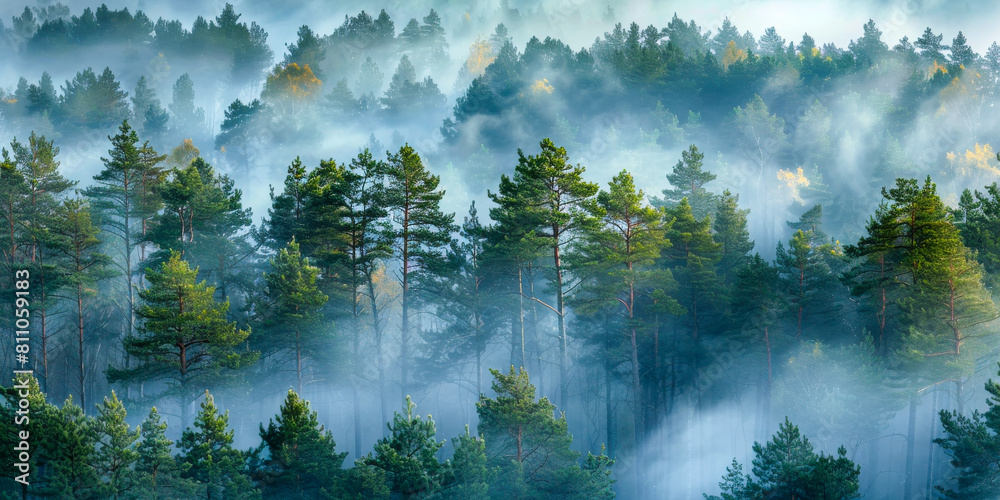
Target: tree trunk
{"points": [[637, 426], [610, 428], [561, 314], [356, 362], [657, 371], [379, 362], [479, 371], [298, 361], [928, 487], [910, 444], [534, 360], [83, 373]]}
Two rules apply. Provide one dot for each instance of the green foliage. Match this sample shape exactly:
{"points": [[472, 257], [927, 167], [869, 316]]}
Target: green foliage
{"points": [[187, 118], [787, 467], [70, 438], [93, 101], [244, 129], [419, 231], [203, 218], [531, 447], [921, 261], [979, 226], [361, 482], [301, 455], [116, 450], [973, 443], [407, 456], [207, 450], [807, 280], [688, 181], [472, 472], [185, 333], [730, 230], [157, 472], [407, 96], [692, 259]]}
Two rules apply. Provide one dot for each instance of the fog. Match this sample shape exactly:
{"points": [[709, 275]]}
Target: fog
{"points": [[783, 132]]}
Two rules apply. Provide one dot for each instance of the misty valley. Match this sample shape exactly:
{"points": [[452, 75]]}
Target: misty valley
{"points": [[497, 250]]}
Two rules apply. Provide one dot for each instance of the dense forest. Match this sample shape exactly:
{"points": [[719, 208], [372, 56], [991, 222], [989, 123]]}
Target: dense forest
{"points": [[451, 256]]}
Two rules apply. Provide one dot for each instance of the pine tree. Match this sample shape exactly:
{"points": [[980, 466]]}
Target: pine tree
{"points": [[44, 188], [210, 457], [531, 447], [923, 267], [108, 104], [961, 53], [979, 226], [616, 267], [116, 450], [729, 228], [973, 443], [787, 467], [548, 195], [71, 438], [42, 98], [472, 472], [295, 301], [244, 129], [119, 198], [286, 217], [188, 119], [931, 47], [302, 457], [688, 181], [420, 228], [806, 276], [463, 293], [811, 221], [145, 105], [343, 216], [307, 50], [185, 335], [74, 239], [407, 455], [203, 218], [691, 258], [157, 472], [42, 428]]}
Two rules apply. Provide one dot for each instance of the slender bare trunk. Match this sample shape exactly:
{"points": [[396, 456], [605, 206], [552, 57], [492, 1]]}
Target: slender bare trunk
{"points": [[561, 316], [910, 445], [298, 360], [379, 362], [610, 427], [79, 325]]}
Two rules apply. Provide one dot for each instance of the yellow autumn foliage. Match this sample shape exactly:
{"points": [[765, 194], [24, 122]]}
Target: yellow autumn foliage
{"points": [[184, 154], [480, 56], [732, 54], [292, 81], [793, 182], [969, 85], [978, 163], [541, 86], [931, 71]]}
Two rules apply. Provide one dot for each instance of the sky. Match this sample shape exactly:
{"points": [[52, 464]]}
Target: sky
{"points": [[826, 21]]}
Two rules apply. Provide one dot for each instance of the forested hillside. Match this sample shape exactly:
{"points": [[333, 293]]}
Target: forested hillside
{"points": [[451, 256]]}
